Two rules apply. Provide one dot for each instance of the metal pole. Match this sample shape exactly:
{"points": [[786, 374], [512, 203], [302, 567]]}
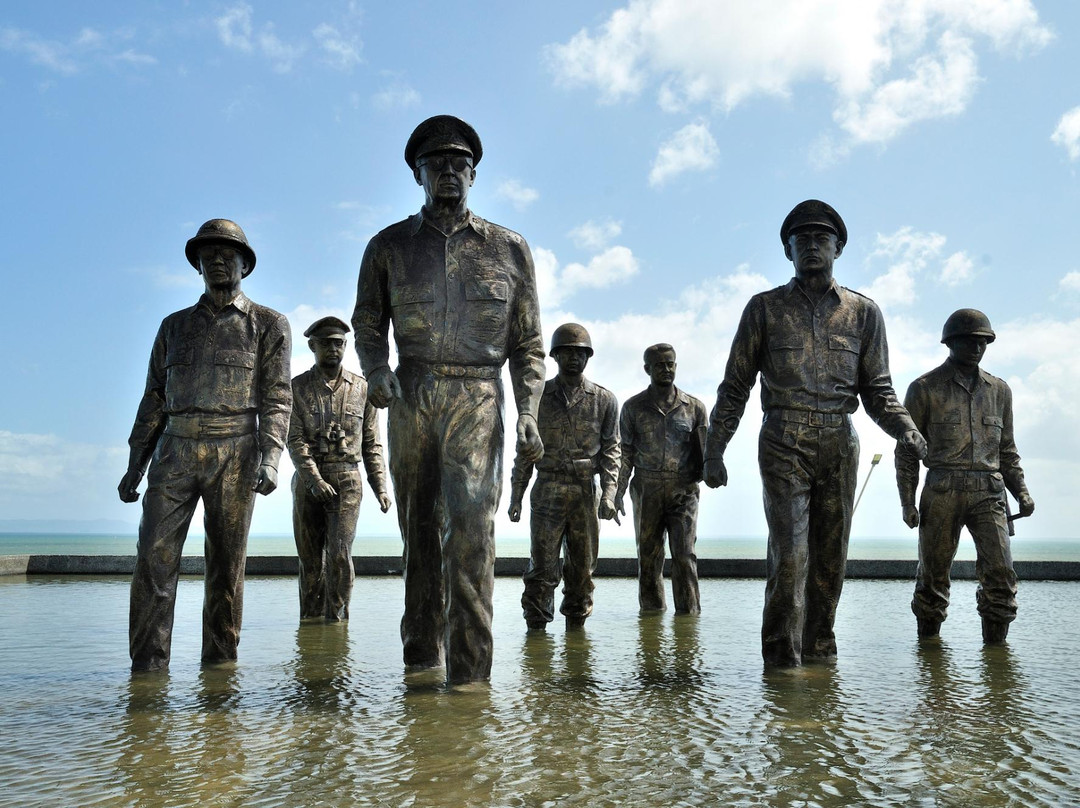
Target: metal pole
{"points": [[873, 463]]}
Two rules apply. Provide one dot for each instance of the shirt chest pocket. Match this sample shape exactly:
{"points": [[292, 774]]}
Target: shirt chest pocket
{"points": [[486, 299], [843, 354], [946, 426], [413, 308], [992, 426], [787, 355], [237, 368]]}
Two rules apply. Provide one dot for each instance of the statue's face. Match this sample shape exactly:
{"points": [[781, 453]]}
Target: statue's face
{"points": [[661, 369], [967, 350], [221, 265], [571, 360], [813, 250], [446, 176], [329, 350]]}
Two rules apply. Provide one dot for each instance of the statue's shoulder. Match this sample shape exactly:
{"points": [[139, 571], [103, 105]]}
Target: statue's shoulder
{"points": [[497, 231], [397, 229]]}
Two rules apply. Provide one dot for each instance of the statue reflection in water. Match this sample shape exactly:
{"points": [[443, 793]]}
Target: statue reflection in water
{"points": [[187, 748]]}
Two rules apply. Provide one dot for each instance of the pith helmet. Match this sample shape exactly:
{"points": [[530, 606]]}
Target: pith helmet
{"points": [[222, 231], [967, 323], [813, 212], [571, 335], [443, 133]]}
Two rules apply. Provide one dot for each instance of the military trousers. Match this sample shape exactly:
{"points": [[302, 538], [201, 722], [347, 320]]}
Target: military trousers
{"points": [[324, 534], [665, 505], [943, 511], [565, 538], [445, 439], [222, 473], [808, 475]]}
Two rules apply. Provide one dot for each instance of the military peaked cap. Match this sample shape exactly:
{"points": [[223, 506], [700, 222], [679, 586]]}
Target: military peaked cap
{"points": [[443, 133], [813, 212], [326, 326]]}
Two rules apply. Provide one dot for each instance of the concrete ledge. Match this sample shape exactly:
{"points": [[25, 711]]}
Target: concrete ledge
{"points": [[605, 567]]}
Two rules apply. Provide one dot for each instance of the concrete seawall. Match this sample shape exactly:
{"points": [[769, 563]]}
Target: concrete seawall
{"points": [[605, 567]]}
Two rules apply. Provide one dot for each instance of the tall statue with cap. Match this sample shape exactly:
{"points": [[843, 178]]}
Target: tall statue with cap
{"points": [[967, 417], [819, 349], [211, 427], [460, 292]]}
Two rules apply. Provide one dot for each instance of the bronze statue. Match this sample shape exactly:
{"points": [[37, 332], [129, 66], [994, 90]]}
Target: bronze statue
{"points": [[461, 294], [333, 425], [819, 348], [211, 425], [663, 445], [579, 425], [966, 415]]}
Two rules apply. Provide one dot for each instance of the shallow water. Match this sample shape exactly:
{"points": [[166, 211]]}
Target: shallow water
{"points": [[633, 711]]}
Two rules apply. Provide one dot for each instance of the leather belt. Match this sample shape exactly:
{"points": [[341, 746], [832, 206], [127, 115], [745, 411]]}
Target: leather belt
{"points": [[808, 417], [211, 426], [457, 371]]}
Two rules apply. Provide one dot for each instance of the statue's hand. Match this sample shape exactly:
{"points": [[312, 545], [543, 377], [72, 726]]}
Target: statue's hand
{"points": [[715, 472], [911, 516], [1027, 505], [384, 502], [620, 504], [515, 510], [129, 485], [323, 491], [914, 442], [266, 481], [383, 387], [607, 510], [529, 445]]}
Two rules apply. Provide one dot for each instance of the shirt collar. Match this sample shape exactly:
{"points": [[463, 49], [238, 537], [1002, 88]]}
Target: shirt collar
{"points": [[241, 302], [793, 287], [982, 377], [479, 226]]}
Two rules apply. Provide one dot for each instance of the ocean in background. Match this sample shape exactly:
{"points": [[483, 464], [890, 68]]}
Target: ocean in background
{"points": [[883, 549]]}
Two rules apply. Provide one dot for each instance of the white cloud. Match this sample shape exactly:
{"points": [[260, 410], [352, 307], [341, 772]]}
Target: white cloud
{"points": [[909, 255], [937, 87], [1067, 133], [234, 28], [281, 54], [595, 235], [877, 55], [518, 195], [396, 95], [692, 148], [1070, 282], [340, 50], [88, 46], [554, 284]]}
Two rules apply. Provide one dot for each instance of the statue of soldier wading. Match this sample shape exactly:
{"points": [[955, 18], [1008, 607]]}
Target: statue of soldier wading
{"points": [[461, 294], [333, 425], [211, 425], [966, 415], [819, 349]]}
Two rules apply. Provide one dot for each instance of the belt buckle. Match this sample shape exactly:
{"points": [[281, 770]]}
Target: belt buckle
{"points": [[817, 419]]}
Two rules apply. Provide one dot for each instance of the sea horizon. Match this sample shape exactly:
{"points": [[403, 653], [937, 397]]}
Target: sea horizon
{"points": [[281, 544]]}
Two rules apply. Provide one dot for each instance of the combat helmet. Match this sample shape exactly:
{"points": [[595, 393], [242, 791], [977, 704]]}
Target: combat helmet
{"points": [[571, 335], [223, 231], [967, 322]]}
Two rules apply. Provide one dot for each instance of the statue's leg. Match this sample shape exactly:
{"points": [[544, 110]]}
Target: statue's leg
{"points": [[648, 502], [681, 520]]}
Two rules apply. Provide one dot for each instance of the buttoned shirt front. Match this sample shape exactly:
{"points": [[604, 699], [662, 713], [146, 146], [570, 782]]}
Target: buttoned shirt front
{"points": [[670, 442], [812, 356], [467, 298], [231, 361], [968, 424], [319, 406], [580, 430]]}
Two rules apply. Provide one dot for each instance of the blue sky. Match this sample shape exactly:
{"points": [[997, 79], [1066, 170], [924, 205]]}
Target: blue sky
{"points": [[648, 152]]}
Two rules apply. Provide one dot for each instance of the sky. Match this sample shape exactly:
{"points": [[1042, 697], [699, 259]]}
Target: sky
{"points": [[647, 151]]}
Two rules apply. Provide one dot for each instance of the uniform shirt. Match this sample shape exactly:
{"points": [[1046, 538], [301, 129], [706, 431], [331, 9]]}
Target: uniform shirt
{"points": [[464, 299], [580, 430], [671, 442], [966, 430], [319, 405], [234, 361], [814, 357]]}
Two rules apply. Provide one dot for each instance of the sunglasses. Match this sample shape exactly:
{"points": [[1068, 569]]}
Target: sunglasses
{"points": [[438, 162]]}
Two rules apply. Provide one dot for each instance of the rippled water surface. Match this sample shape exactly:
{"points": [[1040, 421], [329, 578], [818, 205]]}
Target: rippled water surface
{"points": [[656, 711]]}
